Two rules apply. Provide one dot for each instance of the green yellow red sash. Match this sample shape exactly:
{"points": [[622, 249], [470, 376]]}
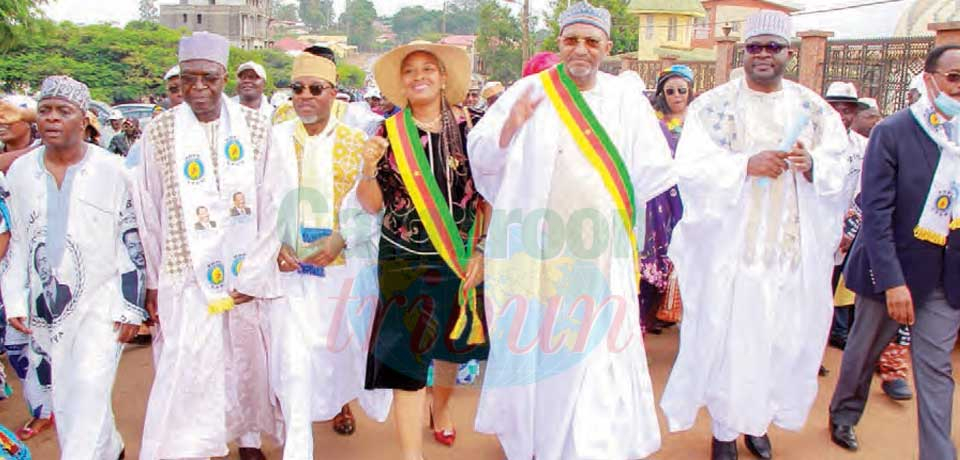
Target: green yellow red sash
{"points": [[435, 215], [595, 144]]}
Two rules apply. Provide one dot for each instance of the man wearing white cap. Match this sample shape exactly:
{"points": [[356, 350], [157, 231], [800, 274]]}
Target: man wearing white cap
{"points": [[212, 383], [114, 126], [251, 79], [373, 98], [327, 262], [172, 83], [491, 92], [764, 182], [70, 271], [842, 96], [581, 150]]}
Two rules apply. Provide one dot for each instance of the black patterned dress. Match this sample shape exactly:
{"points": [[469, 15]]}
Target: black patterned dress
{"points": [[418, 291]]}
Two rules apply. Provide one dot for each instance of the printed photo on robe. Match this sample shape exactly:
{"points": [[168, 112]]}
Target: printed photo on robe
{"points": [[239, 211], [53, 301], [132, 281], [203, 219]]}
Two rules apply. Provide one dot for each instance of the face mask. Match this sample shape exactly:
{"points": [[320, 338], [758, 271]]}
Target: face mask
{"points": [[946, 104]]}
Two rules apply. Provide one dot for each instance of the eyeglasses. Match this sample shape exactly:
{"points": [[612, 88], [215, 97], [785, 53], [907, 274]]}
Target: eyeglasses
{"points": [[952, 77], [209, 79], [671, 91], [316, 89], [772, 47], [590, 42]]}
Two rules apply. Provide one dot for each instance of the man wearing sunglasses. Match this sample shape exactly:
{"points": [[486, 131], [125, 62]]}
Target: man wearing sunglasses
{"points": [[204, 285], [904, 264], [762, 175], [327, 248]]}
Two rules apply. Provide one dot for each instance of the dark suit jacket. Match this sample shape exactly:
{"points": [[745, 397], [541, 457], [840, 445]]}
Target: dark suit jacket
{"points": [[897, 173], [234, 212], [130, 283], [63, 298]]}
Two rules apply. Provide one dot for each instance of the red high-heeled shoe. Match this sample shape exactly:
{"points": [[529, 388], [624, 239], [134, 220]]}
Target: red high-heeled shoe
{"points": [[442, 436]]}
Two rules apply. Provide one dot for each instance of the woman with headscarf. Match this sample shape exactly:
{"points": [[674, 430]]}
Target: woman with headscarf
{"points": [[659, 295], [431, 246]]}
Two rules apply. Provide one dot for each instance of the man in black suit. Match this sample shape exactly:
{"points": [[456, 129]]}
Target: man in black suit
{"points": [[898, 277], [131, 281], [239, 205], [55, 297]]}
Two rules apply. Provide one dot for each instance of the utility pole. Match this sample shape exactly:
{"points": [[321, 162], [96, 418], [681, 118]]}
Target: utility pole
{"points": [[525, 27], [443, 19]]}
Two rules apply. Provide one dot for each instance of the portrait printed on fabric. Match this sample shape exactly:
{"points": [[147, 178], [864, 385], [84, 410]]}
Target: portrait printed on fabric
{"points": [[239, 211], [203, 219], [53, 301]]}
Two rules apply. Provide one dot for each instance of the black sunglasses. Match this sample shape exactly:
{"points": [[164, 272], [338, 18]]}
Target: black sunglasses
{"points": [[772, 47], [671, 91], [952, 77], [316, 89]]}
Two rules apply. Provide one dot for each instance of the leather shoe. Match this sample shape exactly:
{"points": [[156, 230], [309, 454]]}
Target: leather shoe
{"points": [[249, 453], [759, 446], [720, 450], [844, 436], [898, 390]]}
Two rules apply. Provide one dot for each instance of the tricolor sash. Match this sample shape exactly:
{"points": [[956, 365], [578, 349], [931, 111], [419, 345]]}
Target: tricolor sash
{"points": [[434, 212], [595, 144]]}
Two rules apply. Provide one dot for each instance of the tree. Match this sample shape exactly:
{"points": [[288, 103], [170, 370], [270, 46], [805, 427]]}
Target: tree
{"points": [[498, 42], [624, 29], [357, 19], [462, 17], [415, 21], [317, 14], [283, 11], [148, 11], [18, 17], [350, 76]]}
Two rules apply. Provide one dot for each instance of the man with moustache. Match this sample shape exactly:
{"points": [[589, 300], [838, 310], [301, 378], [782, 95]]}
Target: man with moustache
{"points": [[212, 384], [527, 157], [763, 176], [317, 357], [64, 288]]}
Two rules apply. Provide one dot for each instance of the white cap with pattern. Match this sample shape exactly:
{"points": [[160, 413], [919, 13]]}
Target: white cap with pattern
{"points": [[767, 22]]}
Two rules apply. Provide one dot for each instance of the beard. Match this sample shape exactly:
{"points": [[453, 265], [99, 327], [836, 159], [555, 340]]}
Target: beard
{"points": [[309, 120]]}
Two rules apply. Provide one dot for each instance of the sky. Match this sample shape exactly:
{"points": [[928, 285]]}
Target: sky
{"points": [[870, 21]]}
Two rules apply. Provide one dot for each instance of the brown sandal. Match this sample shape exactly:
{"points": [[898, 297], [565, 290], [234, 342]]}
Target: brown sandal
{"points": [[344, 423]]}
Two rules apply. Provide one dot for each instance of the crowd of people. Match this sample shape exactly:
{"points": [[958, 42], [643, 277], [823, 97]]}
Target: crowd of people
{"points": [[287, 259]]}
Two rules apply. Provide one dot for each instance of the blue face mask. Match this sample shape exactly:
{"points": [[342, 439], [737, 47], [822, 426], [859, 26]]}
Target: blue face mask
{"points": [[946, 104]]}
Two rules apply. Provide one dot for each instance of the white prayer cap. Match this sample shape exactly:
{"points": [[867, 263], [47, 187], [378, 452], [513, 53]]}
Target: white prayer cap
{"points": [[372, 92], [205, 46], [870, 103], [256, 68], [173, 72], [840, 91], [343, 97], [63, 87], [767, 22]]}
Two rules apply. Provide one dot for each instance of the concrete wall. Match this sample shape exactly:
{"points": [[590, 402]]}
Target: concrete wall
{"points": [[244, 22], [655, 32]]}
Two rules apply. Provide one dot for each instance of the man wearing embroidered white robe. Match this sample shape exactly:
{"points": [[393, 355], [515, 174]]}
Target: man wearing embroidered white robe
{"points": [[67, 278], [317, 354], [582, 390], [212, 384], [763, 175]]}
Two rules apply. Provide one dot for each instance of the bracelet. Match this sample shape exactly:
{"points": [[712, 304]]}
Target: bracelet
{"points": [[364, 176]]}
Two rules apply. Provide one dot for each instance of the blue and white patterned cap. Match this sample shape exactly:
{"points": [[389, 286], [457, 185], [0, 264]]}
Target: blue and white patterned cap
{"points": [[64, 87], [585, 13], [768, 22]]}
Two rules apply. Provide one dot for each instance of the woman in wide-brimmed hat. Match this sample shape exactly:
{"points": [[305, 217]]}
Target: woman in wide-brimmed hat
{"points": [[431, 246]]}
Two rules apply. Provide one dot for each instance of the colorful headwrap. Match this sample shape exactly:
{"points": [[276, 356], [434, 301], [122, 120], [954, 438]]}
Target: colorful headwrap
{"points": [[677, 70], [540, 62], [205, 46], [585, 13], [63, 87]]}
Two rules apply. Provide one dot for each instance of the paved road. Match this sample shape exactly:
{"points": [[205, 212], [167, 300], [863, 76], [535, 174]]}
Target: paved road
{"points": [[888, 430]]}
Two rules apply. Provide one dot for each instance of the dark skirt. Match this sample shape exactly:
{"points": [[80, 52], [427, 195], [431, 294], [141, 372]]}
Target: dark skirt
{"points": [[415, 315]]}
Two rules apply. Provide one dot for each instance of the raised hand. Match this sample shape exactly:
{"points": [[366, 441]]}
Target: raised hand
{"points": [[521, 112]]}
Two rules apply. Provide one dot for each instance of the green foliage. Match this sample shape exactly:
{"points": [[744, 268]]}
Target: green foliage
{"points": [[462, 17], [357, 19], [277, 64], [283, 11], [18, 18], [350, 76], [499, 42], [317, 14], [625, 26], [118, 65], [412, 22]]}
